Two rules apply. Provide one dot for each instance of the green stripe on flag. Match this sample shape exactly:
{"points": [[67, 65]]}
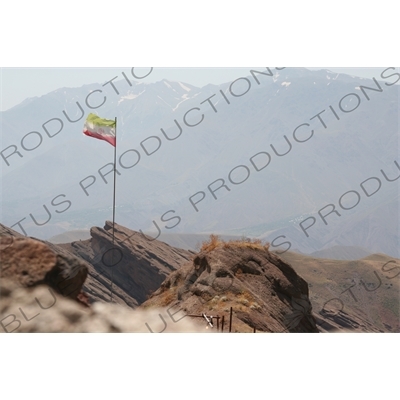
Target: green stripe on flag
{"points": [[96, 120]]}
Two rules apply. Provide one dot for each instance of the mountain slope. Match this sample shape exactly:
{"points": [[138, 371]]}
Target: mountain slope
{"points": [[361, 295]]}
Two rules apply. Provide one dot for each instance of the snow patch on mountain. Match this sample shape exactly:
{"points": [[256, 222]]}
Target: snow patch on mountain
{"points": [[184, 87], [129, 96]]}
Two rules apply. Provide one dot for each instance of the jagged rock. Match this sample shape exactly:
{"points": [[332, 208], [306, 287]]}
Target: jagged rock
{"points": [[129, 270], [29, 262], [265, 293]]}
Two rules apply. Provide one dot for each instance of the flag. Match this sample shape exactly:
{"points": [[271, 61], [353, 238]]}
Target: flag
{"points": [[99, 128]]}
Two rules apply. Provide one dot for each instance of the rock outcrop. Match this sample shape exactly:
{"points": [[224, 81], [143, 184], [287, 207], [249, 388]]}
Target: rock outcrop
{"points": [[265, 293], [128, 270]]}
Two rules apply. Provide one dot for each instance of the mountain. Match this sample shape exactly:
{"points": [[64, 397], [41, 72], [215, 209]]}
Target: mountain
{"points": [[327, 138]]}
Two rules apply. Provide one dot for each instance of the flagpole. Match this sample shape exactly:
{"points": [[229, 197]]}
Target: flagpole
{"points": [[115, 177], [115, 182]]}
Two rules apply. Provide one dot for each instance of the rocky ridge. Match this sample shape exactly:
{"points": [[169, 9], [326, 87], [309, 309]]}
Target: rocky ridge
{"points": [[265, 293], [264, 290], [136, 265]]}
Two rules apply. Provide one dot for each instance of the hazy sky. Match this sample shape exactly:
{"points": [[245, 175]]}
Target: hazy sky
{"points": [[17, 84]]}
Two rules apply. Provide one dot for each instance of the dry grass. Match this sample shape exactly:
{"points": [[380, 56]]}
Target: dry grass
{"points": [[246, 299], [246, 296], [240, 302], [211, 244], [167, 298], [245, 243]]}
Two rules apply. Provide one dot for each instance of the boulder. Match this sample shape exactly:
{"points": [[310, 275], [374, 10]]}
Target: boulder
{"points": [[29, 262]]}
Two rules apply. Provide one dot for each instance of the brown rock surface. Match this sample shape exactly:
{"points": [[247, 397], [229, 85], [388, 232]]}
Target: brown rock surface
{"points": [[264, 291], [128, 271], [6, 231], [125, 273], [29, 262]]}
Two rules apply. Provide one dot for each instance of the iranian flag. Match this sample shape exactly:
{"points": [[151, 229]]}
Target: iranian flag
{"points": [[99, 128]]}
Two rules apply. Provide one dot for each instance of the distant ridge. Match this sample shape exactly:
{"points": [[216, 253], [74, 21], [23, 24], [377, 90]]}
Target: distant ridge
{"points": [[191, 241], [372, 305], [342, 253], [186, 241], [71, 236]]}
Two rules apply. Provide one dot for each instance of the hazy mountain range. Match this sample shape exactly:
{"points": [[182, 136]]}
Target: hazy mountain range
{"points": [[240, 128]]}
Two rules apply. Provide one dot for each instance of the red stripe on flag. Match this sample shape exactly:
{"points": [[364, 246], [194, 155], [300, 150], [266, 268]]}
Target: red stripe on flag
{"points": [[109, 139]]}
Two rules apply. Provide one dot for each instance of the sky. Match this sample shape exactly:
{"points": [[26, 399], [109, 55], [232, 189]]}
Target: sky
{"points": [[18, 84]]}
